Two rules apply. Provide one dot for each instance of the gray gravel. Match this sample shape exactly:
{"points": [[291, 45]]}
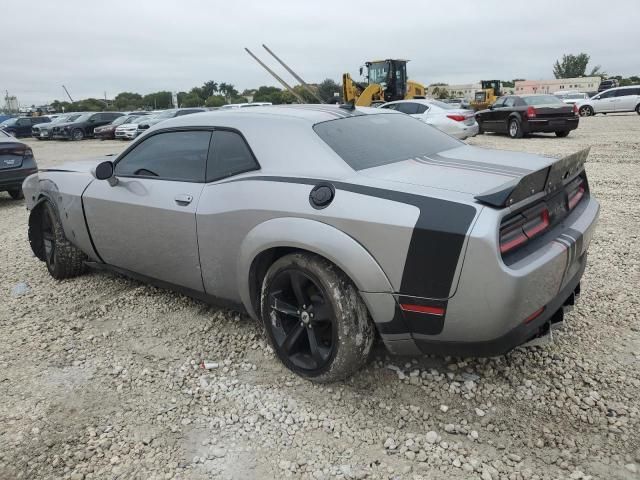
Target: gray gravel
{"points": [[101, 378]]}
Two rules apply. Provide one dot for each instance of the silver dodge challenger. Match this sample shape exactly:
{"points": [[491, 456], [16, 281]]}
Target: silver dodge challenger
{"points": [[333, 227]]}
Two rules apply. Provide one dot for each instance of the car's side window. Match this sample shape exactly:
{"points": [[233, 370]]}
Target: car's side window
{"points": [[499, 103], [625, 92], [229, 155], [178, 155], [608, 94], [421, 108], [22, 122], [392, 106], [510, 102]]}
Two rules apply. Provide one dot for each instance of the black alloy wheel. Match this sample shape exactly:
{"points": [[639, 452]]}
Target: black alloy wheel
{"points": [[301, 321], [48, 238]]}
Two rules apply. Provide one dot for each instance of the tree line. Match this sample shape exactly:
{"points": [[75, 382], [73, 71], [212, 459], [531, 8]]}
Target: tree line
{"points": [[210, 94]]}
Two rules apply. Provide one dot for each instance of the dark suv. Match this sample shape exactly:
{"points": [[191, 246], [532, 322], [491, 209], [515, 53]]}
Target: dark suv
{"points": [[21, 126], [82, 127], [607, 84]]}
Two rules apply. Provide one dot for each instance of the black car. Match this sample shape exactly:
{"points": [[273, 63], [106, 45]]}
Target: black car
{"points": [[519, 115], [21, 126], [16, 164], [607, 84], [42, 131], [82, 127]]}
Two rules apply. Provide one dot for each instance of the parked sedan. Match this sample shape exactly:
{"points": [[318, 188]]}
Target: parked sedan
{"points": [[447, 118], [331, 226], [108, 132], [129, 130], [166, 115], [21, 126], [83, 126], [16, 164], [42, 131], [519, 115]]}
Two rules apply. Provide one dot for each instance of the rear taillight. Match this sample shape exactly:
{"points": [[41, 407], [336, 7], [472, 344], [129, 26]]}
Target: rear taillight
{"points": [[457, 117], [576, 192], [520, 229], [531, 112], [575, 109]]}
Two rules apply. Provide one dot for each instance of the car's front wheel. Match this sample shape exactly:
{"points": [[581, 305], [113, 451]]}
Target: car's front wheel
{"points": [[562, 133], [16, 194], [515, 128], [77, 134], [315, 318], [63, 259], [585, 111]]}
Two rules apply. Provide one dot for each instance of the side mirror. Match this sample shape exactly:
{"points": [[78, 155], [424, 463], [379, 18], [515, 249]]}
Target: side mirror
{"points": [[104, 171], [490, 107]]}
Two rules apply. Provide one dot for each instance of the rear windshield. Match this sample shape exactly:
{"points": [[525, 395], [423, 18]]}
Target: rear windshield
{"points": [[368, 141], [541, 100]]}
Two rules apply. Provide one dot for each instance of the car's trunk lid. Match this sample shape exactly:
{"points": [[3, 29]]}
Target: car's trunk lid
{"points": [[553, 110], [465, 169], [12, 154]]}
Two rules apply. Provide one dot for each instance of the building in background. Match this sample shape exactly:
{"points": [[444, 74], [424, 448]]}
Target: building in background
{"points": [[581, 84], [462, 90]]}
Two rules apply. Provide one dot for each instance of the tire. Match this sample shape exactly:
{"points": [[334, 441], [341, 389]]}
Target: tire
{"points": [[480, 129], [77, 135], [62, 258], [515, 128], [585, 111], [562, 133], [299, 287], [638, 109], [16, 194]]}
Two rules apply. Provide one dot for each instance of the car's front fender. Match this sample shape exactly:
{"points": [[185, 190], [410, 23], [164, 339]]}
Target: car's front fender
{"points": [[317, 237]]}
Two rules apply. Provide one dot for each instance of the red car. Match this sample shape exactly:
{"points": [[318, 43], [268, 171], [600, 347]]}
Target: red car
{"points": [[108, 132]]}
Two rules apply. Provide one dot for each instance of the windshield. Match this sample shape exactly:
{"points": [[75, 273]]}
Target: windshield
{"points": [[574, 95], [9, 122], [542, 100], [480, 97], [166, 114], [80, 118], [378, 73], [368, 141], [124, 119]]}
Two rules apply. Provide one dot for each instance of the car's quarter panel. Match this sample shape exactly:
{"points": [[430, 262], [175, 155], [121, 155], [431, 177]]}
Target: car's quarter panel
{"points": [[139, 225], [257, 213]]}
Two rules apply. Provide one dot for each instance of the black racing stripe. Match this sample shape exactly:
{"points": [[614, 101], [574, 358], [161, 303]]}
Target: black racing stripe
{"points": [[494, 167], [461, 167], [436, 242]]}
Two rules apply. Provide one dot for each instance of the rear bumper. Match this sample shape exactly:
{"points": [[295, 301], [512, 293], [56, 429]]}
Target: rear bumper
{"points": [[12, 179], [549, 125], [487, 314], [464, 131]]}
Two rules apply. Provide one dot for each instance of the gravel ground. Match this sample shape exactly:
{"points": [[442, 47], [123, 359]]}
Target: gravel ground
{"points": [[99, 375]]}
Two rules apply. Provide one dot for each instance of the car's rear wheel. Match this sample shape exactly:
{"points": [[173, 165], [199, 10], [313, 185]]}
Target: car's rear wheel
{"points": [[515, 128], [585, 111], [62, 258], [562, 133], [480, 129], [638, 109], [16, 194], [315, 318], [77, 134]]}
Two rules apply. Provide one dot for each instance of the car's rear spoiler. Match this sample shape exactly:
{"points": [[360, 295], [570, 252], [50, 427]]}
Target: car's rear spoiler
{"points": [[548, 179]]}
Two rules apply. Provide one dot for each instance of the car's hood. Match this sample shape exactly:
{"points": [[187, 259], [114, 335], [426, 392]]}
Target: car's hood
{"points": [[64, 124], [80, 166], [105, 127], [45, 125], [127, 125], [465, 169]]}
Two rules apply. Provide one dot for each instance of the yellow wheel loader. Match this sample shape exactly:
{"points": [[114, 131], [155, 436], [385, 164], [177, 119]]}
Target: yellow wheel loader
{"points": [[491, 90], [386, 82]]}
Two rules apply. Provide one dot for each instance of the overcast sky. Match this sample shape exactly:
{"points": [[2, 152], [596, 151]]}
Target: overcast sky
{"points": [[144, 46]]}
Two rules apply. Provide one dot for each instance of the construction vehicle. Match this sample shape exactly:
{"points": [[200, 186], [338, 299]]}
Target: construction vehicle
{"points": [[491, 90], [386, 82]]}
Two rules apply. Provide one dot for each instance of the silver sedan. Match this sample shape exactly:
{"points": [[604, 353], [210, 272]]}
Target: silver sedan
{"points": [[457, 122], [332, 226]]}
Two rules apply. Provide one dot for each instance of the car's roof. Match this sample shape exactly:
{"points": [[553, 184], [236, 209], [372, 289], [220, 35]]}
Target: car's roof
{"points": [[311, 113]]}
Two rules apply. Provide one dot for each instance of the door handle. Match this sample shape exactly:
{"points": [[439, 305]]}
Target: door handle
{"points": [[183, 199]]}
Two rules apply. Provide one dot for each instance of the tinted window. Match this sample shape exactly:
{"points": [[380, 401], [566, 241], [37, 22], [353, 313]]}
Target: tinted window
{"points": [[368, 141], [170, 155], [510, 102], [410, 108], [499, 103], [229, 155], [421, 108], [623, 92], [608, 94], [24, 122]]}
